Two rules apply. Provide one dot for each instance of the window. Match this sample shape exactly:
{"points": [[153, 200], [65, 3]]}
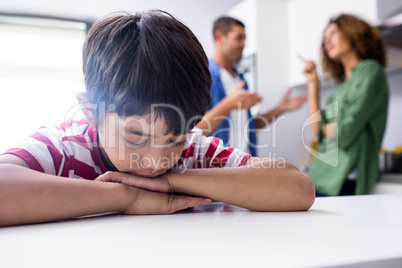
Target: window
{"points": [[40, 73]]}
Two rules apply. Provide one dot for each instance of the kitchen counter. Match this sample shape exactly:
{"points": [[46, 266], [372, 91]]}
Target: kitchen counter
{"points": [[349, 231], [391, 177], [388, 183]]}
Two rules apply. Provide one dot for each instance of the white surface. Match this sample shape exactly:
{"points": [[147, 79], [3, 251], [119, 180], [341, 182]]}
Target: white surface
{"points": [[346, 231], [387, 188]]}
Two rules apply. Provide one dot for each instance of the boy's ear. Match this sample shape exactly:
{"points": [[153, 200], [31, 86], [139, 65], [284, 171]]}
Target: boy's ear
{"points": [[86, 108]]}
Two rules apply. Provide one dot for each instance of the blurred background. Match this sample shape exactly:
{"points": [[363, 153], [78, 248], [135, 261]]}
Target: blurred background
{"points": [[41, 42]]}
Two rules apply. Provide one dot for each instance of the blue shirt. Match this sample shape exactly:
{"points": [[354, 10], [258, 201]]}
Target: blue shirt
{"points": [[217, 94]]}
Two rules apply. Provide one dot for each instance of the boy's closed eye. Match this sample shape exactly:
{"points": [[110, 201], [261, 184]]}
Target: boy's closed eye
{"points": [[177, 143], [136, 141], [134, 144], [133, 140]]}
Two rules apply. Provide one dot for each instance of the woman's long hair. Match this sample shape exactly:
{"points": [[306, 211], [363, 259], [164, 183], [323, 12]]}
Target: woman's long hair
{"points": [[365, 39]]}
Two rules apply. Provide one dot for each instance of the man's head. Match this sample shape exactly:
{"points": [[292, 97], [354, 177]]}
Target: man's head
{"points": [[229, 35], [141, 71]]}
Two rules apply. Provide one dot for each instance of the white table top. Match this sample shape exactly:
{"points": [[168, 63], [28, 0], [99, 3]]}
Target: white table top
{"points": [[355, 231]]}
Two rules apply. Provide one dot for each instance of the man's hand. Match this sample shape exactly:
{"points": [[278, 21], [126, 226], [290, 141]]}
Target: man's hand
{"points": [[289, 104], [157, 184], [240, 98]]}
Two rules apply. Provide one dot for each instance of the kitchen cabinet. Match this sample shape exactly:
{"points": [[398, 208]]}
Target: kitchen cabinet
{"points": [[388, 8]]}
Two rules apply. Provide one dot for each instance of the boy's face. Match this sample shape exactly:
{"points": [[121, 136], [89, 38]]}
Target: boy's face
{"points": [[139, 145]]}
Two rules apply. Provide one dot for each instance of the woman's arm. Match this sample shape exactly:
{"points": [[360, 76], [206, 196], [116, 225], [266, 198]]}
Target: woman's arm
{"points": [[28, 196], [262, 184], [328, 130], [313, 86]]}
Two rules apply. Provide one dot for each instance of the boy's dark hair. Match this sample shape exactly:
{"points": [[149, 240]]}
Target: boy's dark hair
{"points": [[224, 25], [131, 61]]}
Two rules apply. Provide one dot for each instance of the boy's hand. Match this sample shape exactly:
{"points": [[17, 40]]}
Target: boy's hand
{"points": [[147, 202], [153, 197], [157, 184]]}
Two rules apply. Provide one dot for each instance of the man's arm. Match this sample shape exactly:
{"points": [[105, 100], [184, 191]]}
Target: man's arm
{"points": [[28, 196], [287, 104], [262, 184], [263, 120], [238, 99]]}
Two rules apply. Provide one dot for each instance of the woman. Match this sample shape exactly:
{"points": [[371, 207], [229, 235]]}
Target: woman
{"points": [[351, 127]]}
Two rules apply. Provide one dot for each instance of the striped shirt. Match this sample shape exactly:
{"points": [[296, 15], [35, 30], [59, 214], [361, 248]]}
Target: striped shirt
{"points": [[71, 150]]}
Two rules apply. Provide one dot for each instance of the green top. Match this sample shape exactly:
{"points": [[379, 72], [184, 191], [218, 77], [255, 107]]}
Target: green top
{"points": [[359, 106]]}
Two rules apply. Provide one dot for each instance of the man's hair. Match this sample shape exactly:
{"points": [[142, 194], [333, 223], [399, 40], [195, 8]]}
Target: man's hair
{"points": [[364, 38], [224, 25], [131, 61]]}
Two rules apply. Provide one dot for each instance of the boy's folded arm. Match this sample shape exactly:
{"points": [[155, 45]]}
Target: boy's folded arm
{"points": [[260, 185], [28, 196]]}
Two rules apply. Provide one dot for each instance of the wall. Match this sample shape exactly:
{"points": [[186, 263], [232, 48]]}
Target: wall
{"points": [[245, 12], [393, 132], [307, 20], [198, 15], [388, 8]]}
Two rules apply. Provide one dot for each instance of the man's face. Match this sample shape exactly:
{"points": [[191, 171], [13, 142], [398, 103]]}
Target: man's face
{"points": [[233, 43], [139, 145]]}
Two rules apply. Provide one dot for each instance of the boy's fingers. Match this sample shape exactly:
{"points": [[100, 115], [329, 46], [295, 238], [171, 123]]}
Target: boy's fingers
{"points": [[106, 177], [118, 177], [180, 202]]}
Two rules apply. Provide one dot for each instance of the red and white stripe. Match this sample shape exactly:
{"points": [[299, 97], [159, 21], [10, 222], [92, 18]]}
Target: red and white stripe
{"points": [[71, 150], [208, 152]]}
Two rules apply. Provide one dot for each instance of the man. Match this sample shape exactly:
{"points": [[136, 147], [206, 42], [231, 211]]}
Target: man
{"points": [[229, 117]]}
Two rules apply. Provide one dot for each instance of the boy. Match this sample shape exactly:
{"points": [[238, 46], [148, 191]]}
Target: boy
{"points": [[135, 152]]}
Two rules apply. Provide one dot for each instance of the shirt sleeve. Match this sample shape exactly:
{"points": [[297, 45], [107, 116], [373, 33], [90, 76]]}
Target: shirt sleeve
{"points": [[366, 94], [42, 151], [209, 152]]}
